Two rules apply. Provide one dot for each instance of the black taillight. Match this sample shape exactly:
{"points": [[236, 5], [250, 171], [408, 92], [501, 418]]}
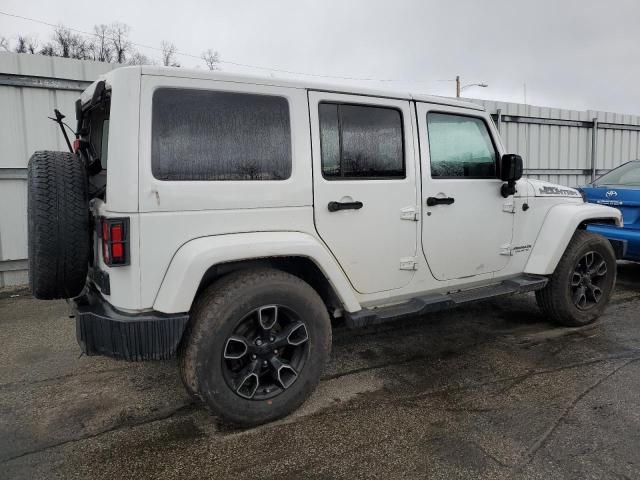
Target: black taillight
{"points": [[115, 241]]}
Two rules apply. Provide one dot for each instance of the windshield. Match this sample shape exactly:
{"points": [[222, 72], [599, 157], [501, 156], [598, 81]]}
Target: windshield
{"points": [[627, 175]]}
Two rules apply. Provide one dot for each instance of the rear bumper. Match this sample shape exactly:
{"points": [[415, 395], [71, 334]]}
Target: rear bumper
{"points": [[627, 239], [103, 330]]}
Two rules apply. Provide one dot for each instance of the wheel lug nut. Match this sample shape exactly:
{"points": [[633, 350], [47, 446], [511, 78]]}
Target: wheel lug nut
{"points": [[259, 342], [264, 363], [275, 351], [253, 356], [271, 339]]}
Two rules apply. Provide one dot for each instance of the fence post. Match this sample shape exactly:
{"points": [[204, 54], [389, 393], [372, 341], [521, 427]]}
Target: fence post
{"points": [[594, 148]]}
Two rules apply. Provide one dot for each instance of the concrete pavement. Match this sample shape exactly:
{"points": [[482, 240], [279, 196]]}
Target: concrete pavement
{"points": [[486, 391]]}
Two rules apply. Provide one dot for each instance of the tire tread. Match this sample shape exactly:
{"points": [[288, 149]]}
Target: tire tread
{"points": [[551, 299], [58, 224]]}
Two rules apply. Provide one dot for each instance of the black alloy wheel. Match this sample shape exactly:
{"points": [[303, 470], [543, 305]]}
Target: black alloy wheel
{"points": [[587, 281], [582, 284], [266, 352], [256, 345]]}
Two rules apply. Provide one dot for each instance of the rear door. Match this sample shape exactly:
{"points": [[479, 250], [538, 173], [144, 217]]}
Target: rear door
{"points": [[364, 180]]}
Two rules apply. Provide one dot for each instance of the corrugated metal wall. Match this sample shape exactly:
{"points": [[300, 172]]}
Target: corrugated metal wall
{"points": [[31, 86], [561, 153]]}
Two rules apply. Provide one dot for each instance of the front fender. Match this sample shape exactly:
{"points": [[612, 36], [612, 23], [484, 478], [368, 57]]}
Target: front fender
{"points": [[195, 257], [559, 226]]}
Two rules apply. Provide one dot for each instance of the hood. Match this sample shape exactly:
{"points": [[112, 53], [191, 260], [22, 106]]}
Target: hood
{"points": [[548, 189]]}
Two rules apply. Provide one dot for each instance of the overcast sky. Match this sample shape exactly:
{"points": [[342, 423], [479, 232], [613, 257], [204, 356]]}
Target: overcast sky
{"points": [[572, 54]]}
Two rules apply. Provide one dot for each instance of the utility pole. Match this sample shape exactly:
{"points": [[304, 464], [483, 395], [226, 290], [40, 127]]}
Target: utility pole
{"points": [[460, 87]]}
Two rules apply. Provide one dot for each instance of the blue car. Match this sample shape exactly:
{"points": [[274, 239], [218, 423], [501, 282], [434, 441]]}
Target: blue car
{"points": [[620, 188]]}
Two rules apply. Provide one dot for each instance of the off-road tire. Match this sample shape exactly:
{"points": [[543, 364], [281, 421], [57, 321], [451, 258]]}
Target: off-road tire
{"points": [[555, 299], [218, 310], [58, 223]]}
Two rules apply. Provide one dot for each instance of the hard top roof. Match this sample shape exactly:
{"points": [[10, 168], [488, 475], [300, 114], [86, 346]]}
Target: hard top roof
{"points": [[347, 88]]}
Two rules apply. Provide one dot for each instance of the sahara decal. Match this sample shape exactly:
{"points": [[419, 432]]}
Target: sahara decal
{"points": [[546, 190]]}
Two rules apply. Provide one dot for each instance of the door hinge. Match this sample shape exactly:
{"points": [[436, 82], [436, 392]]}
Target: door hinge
{"points": [[506, 250], [408, 263], [509, 207], [409, 213]]}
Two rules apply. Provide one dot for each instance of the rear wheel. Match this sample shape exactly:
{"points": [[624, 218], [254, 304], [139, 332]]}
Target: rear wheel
{"points": [[58, 220], [257, 345], [581, 286]]}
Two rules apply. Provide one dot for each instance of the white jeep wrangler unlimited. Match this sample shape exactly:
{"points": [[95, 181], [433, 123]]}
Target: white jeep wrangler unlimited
{"points": [[228, 219]]}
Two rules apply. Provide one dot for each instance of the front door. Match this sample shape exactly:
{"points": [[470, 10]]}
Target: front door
{"points": [[364, 187], [467, 224]]}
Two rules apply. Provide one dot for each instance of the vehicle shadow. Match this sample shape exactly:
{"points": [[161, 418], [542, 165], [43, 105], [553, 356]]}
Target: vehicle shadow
{"points": [[629, 275]]}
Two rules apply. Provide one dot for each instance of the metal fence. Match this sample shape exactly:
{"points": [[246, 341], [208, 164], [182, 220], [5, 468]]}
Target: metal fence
{"points": [[561, 146], [31, 86], [568, 147]]}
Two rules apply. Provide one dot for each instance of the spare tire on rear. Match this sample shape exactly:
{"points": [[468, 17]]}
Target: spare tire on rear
{"points": [[58, 218]]}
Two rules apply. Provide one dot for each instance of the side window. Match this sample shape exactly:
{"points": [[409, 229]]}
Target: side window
{"points": [[460, 147], [361, 142], [212, 135]]}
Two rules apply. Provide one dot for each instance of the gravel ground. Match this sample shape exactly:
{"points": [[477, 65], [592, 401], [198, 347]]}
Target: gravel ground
{"points": [[487, 391]]}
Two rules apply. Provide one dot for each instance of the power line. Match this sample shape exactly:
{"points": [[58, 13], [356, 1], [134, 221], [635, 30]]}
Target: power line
{"points": [[227, 62]]}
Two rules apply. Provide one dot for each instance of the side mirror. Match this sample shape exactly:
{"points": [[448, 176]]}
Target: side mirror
{"points": [[510, 172]]}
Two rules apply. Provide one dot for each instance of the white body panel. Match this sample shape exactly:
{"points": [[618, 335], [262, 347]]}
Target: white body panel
{"points": [[554, 236], [455, 241], [179, 229], [370, 242], [193, 259]]}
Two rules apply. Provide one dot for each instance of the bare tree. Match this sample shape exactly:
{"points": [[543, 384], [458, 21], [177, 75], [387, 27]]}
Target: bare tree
{"points": [[21, 46], [211, 58], [48, 50], [4, 44], [137, 58], [67, 44], [109, 43], [101, 47], [32, 45], [169, 54], [62, 39], [80, 48], [119, 33]]}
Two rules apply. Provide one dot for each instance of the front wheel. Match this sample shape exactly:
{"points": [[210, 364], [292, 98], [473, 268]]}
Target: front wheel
{"points": [[257, 345], [581, 286]]}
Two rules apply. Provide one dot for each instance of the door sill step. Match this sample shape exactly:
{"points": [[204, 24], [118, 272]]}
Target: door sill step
{"points": [[435, 302]]}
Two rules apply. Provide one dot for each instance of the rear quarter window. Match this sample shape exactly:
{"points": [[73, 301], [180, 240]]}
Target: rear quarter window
{"points": [[213, 135]]}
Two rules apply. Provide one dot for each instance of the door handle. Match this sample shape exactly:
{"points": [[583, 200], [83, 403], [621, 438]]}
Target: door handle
{"points": [[433, 201], [335, 206]]}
